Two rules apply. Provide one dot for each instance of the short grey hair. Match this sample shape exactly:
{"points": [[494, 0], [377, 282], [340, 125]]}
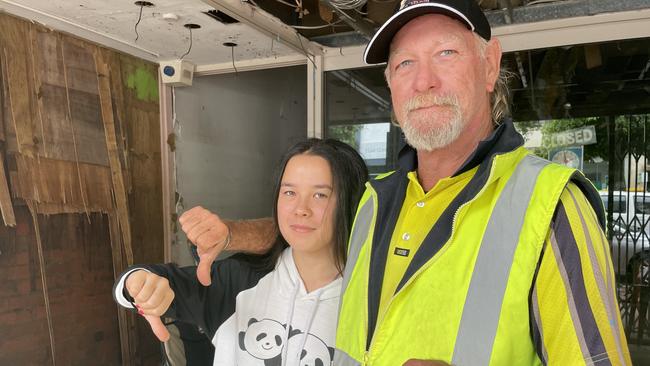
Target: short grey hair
{"points": [[500, 96]]}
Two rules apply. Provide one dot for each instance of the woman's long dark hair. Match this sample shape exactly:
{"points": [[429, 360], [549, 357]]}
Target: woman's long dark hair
{"points": [[349, 174]]}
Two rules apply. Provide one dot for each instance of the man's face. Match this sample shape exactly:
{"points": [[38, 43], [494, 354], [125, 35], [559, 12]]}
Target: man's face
{"points": [[439, 80]]}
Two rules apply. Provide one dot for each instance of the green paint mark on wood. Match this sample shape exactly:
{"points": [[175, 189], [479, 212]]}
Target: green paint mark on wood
{"points": [[144, 84]]}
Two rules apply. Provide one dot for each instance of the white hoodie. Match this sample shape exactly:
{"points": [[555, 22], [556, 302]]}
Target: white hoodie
{"points": [[252, 314], [278, 308]]}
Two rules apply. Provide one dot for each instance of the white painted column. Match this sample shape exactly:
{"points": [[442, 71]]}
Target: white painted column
{"points": [[167, 161], [315, 99]]}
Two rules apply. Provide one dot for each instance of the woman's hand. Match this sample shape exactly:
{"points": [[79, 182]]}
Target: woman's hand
{"points": [[152, 296]]}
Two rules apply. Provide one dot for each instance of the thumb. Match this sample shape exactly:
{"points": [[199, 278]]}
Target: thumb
{"points": [[159, 329], [204, 268]]}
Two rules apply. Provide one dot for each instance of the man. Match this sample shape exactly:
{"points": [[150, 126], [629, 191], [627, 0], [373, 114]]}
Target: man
{"points": [[473, 252]]}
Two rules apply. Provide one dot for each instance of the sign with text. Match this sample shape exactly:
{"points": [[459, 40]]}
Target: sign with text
{"points": [[577, 137]]}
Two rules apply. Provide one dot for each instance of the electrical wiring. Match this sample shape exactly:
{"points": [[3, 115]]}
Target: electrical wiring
{"points": [[287, 3], [316, 26], [347, 4], [189, 48], [540, 2], [135, 28]]}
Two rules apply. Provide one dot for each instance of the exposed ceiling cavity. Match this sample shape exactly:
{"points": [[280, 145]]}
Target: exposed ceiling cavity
{"points": [[161, 34]]}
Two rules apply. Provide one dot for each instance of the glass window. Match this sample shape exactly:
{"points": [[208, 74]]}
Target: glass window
{"points": [[620, 203], [358, 112], [642, 204], [584, 106]]}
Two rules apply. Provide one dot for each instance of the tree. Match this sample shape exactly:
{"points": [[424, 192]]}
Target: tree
{"points": [[345, 133]]}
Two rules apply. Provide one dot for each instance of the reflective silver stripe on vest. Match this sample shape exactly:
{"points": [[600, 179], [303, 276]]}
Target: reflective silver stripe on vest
{"points": [[357, 238], [342, 359], [478, 325]]}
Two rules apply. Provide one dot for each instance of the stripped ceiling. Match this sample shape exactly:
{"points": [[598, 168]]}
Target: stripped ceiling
{"points": [[161, 37], [161, 33]]}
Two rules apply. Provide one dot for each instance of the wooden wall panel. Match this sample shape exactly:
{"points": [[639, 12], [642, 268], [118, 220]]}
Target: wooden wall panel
{"points": [[59, 113], [19, 82], [79, 271], [73, 187], [142, 128]]}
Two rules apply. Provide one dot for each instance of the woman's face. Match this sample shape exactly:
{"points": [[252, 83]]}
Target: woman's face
{"points": [[306, 204]]}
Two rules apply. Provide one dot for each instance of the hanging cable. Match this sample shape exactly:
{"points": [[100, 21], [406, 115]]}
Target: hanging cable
{"points": [[190, 26], [141, 4], [305, 51], [232, 46]]}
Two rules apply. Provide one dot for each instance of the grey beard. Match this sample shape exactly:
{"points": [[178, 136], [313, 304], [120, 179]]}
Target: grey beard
{"points": [[437, 137]]}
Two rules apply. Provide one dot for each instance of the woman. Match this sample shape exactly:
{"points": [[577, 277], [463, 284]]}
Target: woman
{"points": [[280, 309]]}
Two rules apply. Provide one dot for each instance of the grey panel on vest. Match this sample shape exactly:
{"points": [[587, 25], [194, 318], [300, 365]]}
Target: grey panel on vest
{"points": [[357, 238], [480, 318], [342, 359]]}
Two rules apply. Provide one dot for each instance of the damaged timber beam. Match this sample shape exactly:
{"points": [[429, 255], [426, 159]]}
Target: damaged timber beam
{"points": [[5, 199], [105, 98]]}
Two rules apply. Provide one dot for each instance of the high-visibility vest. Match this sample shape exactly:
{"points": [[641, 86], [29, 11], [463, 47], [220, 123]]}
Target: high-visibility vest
{"points": [[468, 304]]}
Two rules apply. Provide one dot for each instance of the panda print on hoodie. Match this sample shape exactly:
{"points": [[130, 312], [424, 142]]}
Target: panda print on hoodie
{"points": [[263, 340], [254, 318]]}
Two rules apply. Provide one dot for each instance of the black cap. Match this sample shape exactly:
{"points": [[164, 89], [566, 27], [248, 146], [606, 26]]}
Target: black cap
{"points": [[466, 11]]}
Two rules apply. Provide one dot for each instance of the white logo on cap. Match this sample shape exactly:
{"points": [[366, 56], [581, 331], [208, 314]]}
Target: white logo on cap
{"points": [[404, 3]]}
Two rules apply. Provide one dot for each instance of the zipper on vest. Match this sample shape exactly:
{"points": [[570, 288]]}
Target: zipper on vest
{"points": [[480, 192], [425, 267]]}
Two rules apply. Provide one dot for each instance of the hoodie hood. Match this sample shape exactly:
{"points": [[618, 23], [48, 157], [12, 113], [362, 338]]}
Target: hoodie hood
{"points": [[288, 279]]}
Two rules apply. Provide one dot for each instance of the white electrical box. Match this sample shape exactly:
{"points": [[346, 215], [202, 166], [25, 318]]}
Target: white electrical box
{"points": [[177, 72]]}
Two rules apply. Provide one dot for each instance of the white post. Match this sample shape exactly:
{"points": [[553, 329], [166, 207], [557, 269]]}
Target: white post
{"points": [[167, 161], [315, 100]]}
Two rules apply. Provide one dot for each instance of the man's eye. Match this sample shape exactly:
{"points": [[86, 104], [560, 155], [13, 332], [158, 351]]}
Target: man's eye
{"points": [[447, 52], [403, 63]]}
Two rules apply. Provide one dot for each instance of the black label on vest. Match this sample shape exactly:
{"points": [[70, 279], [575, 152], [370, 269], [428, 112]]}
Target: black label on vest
{"points": [[402, 252]]}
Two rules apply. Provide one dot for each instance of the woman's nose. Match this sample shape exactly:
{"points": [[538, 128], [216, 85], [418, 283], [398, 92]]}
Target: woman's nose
{"points": [[302, 208]]}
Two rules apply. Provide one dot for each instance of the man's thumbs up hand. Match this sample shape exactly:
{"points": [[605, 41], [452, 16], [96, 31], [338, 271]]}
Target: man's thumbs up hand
{"points": [[152, 296]]}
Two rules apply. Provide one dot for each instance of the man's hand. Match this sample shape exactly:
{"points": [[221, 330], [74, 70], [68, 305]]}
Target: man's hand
{"points": [[205, 230], [152, 296], [413, 362]]}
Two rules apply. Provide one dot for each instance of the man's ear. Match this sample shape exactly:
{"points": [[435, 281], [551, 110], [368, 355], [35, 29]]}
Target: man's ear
{"points": [[492, 63]]}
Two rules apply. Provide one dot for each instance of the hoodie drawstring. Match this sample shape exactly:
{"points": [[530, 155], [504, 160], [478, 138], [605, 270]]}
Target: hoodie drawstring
{"points": [[292, 305], [312, 315]]}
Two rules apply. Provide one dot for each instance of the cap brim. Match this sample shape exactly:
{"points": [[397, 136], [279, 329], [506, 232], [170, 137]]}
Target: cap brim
{"points": [[377, 50]]}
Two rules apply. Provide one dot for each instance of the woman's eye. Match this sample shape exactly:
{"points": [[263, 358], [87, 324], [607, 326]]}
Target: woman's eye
{"points": [[289, 193], [320, 195]]}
